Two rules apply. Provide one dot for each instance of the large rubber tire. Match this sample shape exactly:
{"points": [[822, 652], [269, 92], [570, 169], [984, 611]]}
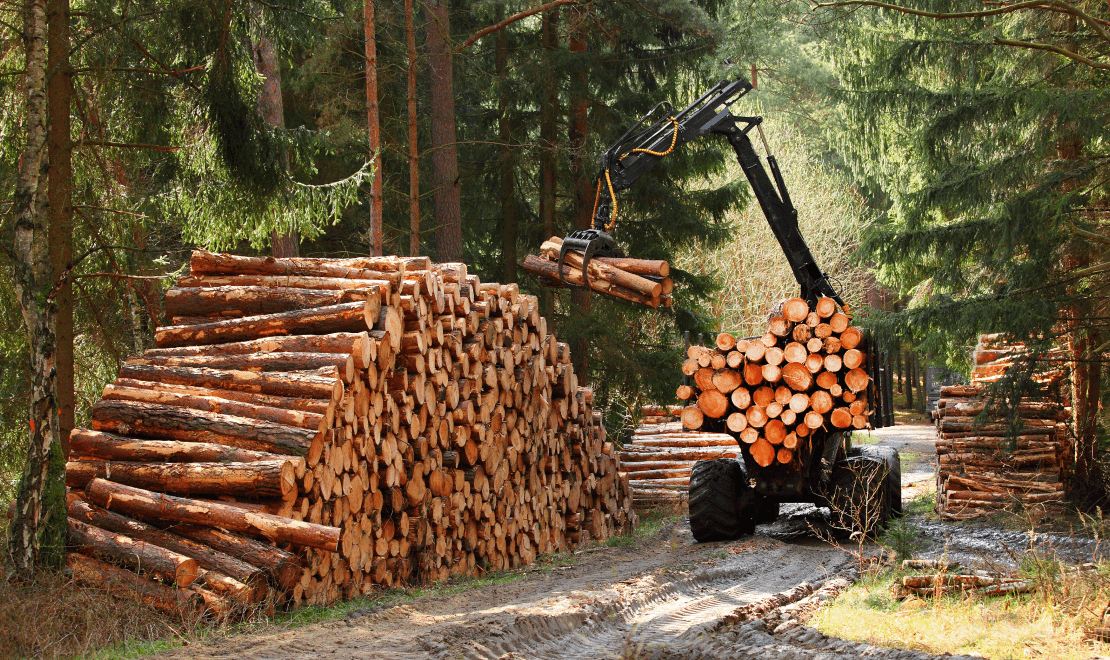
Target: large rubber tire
{"points": [[859, 496], [893, 483], [720, 500]]}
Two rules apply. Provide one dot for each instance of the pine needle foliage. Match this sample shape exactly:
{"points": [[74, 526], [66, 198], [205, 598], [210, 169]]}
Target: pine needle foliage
{"points": [[990, 162]]}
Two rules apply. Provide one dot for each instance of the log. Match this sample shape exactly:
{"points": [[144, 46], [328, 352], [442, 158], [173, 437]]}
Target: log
{"points": [[264, 478], [105, 446], [727, 380], [205, 556], [775, 430], [285, 403], [134, 554], [821, 402], [215, 404], [856, 380], [144, 503], [283, 384], [737, 422], [851, 338], [795, 309], [763, 453], [741, 398], [795, 352], [725, 342], [174, 423], [852, 359], [386, 282], [211, 263], [117, 581], [267, 362], [346, 317], [814, 420], [692, 417], [826, 307], [284, 568], [236, 301], [601, 270], [840, 418], [358, 344], [651, 267], [784, 455], [797, 377], [550, 270]]}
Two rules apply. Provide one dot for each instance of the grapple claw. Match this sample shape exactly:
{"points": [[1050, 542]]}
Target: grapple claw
{"points": [[591, 243]]}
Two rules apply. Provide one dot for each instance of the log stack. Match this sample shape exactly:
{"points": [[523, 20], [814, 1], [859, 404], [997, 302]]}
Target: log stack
{"points": [[985, 466], [994, 356], [659, 458], [313, 427], [806, 374], [643, 281]]}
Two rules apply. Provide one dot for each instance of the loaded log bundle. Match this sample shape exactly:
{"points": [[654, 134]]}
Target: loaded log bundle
{"points": [[308, 428], [643, 281], [806, 374], [991, 457], [661, 454]]}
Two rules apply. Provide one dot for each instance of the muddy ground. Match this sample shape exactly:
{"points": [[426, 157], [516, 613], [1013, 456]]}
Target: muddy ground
{"points": [[664, 596]]}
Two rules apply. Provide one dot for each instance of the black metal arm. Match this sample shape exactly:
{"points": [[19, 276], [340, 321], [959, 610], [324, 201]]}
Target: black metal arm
{"points": [[635, 153]]}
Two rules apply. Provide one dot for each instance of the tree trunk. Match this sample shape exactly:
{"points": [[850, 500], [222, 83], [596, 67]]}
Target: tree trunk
{"points": [[414, 153], [508, 164], [909, 379], [445, 160], [282, 244], [60, 201], [373, 132], [36, 537], [548, 142], [583, 202]]}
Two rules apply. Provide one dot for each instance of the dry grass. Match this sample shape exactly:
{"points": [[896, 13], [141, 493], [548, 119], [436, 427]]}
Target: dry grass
{"points": [[52, 617], [1051, 622], [752, 267]]}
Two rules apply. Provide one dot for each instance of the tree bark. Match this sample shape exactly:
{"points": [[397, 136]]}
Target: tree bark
{"points": [[36, 537], [60, 200], [508, 163], [549, 109], [445, 160], [414, 150], [145, 503], [583, 203], [282, 244], [373, 126]]}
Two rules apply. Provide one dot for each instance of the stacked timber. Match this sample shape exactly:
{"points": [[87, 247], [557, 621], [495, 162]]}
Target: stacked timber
{"points": [[661, 454], [806, 374], [643, 281], [994, 356], [1003, 460], [309, 428]]}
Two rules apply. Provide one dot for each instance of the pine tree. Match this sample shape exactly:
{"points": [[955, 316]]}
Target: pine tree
{"points": [[993, 159]]}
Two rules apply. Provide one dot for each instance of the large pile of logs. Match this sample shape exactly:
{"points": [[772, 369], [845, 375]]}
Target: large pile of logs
{"points": [[806, 374], [644, 281], [985, 465], [309, 428], [661, 455], [994, 356]]}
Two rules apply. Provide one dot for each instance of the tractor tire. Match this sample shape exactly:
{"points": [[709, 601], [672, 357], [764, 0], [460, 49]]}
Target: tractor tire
{"points": [[720, 500], [889, 456], [859, 496]]}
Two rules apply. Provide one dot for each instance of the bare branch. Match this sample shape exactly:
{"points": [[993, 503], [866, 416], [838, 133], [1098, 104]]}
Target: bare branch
{"points": [[1054, 49], [510, 20]]}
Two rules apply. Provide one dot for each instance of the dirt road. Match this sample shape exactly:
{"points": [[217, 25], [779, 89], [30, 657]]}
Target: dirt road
{"points": [[664, 596]]}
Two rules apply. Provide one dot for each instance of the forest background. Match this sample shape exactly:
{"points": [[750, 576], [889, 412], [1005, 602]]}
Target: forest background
{"points": [[948, 159]]}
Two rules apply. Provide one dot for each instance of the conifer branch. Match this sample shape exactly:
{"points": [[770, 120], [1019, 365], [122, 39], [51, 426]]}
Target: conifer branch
{"points": [[123, 145]]}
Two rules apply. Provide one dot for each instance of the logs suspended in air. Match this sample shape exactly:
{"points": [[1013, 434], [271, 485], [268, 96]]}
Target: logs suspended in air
{"points": [[314, 427], [643, 281], [808, 372]]}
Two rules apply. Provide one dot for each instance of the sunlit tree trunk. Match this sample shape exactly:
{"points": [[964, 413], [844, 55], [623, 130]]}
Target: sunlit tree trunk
{"points": [[282, 244], [445, 159], [60, 200], [508, 163], [414, 153], [583, 199], [36, 536], [548, 141], [373, 132]]}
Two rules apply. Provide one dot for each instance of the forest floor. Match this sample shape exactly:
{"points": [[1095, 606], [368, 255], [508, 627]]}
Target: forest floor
{"points": [[657, 594]]}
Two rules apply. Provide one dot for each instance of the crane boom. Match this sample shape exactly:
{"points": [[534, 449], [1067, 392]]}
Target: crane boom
{"points": [[637, 151]]}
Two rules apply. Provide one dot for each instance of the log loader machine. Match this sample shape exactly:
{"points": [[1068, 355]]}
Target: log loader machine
{"points": [[728, 497]]}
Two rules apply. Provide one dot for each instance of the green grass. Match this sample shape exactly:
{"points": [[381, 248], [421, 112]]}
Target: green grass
{"points": [[922, 505]]}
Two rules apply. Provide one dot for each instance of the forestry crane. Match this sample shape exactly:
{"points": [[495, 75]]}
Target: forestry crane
{"points": [[729, 496], [637, 151]]}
